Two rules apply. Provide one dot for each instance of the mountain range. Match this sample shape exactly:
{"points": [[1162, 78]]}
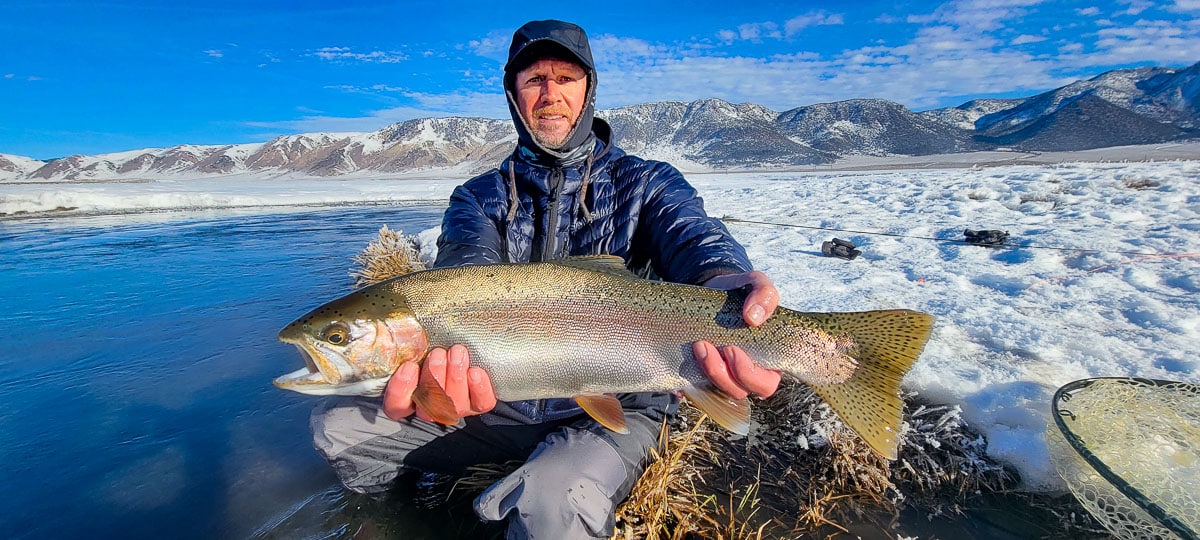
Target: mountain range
{"points": [[1123, 107]]}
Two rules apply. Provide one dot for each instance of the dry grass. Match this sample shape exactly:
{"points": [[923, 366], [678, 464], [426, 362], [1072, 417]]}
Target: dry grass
{"points": [[802, 473]]}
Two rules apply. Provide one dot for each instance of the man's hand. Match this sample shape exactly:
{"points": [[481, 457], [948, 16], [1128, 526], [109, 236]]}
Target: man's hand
{"points": [[730, 368], [470, 388]]}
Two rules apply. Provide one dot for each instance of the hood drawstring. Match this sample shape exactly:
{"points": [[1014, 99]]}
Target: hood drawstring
{"points": [[512, 196], [581, 200], [581, 203], [513, 204]]}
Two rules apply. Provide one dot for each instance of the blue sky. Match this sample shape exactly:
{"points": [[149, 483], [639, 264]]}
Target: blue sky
{"points": [[104, 76]]}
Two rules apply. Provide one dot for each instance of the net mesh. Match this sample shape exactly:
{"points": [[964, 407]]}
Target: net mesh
{"points": [[1129, 449]]}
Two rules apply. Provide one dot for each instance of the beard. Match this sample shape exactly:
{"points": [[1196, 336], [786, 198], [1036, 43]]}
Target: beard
{"points": [[551, 135]]}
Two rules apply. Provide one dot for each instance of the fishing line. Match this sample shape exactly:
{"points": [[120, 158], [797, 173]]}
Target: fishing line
{"points": [[1146, 254]]}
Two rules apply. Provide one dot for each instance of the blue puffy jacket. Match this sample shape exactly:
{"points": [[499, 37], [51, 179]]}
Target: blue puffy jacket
{"points": [[605, 203]]}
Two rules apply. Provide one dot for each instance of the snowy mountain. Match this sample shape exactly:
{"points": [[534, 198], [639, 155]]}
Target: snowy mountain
{"points": [[873, 127], [711, 132], [17, 166], [1128, 106], [965, 115], [1122, 107]]}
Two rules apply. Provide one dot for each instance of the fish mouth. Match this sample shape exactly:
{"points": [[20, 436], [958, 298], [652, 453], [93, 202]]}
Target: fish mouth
{"points": [[313, 380], [306, 380]]}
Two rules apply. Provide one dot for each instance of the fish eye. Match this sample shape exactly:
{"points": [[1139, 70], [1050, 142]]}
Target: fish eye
{"points": [[336, 333]]}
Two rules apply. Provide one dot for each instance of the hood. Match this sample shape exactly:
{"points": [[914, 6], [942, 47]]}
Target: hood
{"points": [[557, 39]]}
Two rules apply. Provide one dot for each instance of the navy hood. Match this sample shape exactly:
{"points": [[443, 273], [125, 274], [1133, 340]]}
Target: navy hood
{"points": [[551, 39]]}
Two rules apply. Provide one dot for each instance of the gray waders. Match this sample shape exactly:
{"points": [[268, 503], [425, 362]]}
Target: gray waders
{"points": [[574, 476]]}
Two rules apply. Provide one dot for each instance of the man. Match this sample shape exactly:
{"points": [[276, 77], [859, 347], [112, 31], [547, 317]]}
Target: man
{"points": [[566, 190]]}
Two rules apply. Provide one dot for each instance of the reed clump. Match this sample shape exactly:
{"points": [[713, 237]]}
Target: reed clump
{"points": [[391, 254]]}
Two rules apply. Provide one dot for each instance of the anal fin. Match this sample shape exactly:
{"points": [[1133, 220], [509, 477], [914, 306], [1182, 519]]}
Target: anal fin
{"points": [[729, 413], [604, 409]]}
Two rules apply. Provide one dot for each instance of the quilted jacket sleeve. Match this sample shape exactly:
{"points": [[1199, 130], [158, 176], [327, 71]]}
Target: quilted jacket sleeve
{"points": [[469, 235], [688, 245]]}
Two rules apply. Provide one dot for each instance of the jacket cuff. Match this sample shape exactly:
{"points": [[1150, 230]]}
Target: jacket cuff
{"points": [[713, 272]]}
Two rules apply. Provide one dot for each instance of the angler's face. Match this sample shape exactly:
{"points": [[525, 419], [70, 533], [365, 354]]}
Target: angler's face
{"points": [[550, 97]]}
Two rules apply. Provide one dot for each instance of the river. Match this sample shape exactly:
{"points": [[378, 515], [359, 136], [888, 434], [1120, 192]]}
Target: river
{"points": [[136, 365]]}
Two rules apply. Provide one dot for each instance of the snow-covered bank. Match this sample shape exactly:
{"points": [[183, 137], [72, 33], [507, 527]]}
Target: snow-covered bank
{"points": [[1083, 299], [25, 199], [1085, 293]]}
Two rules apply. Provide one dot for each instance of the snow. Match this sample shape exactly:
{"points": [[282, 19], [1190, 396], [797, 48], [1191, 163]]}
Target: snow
{"points": [[1104, 281]]}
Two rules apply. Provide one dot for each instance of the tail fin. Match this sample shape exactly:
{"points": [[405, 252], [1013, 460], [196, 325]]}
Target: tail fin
{"points": [[888, 344]]}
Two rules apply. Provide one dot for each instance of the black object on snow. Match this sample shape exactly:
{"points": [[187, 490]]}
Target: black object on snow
{"points": [[840, 248], [986, 238]]}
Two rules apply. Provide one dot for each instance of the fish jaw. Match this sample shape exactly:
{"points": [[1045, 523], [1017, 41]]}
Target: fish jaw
{"points": [[360, 367], [307, 382]]}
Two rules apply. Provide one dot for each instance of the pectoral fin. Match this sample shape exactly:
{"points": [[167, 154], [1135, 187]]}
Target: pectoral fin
{"points": [[731, 414], [431, 399], [604, 409]]}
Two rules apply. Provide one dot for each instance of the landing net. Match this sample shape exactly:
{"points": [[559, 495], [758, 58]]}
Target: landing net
{"points": [[1129, 449]]}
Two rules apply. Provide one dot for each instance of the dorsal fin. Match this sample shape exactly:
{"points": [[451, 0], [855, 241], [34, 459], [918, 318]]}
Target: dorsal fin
{"points": [[608, 264]]}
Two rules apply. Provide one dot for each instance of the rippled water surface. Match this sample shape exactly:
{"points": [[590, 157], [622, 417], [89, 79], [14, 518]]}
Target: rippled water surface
{"points": [[136, 361]]}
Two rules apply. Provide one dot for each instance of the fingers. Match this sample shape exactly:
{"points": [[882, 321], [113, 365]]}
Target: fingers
{"points": [[470, 388], [717, 370], [397, 396], [734, 372], [483, 396], [454, 380], [749, 375], [762, 299]]}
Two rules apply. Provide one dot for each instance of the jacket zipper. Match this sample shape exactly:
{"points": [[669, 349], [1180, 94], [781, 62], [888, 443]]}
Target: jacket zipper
{"points": [[550, 249]]}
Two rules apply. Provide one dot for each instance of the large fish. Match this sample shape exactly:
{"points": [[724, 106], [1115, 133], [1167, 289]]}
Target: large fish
{"points": [[587, 328]]}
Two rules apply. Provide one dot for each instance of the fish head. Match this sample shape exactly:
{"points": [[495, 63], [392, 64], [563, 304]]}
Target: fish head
{"points": [[352, 345]]}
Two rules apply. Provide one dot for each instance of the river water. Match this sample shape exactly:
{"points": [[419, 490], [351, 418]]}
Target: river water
{"points": [[136, 361]]}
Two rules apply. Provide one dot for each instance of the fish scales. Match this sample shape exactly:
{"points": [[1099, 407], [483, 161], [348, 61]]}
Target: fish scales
{"points": [[557, 330]]}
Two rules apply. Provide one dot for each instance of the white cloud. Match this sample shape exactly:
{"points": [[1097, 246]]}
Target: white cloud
{"points": [[1136, 7], [341, 54], [758, 31], [423, 105], [364, 89], [1088, 11], [215, 53], [813, 18], [1185, 6], [1026, 38], [981, 14], [1159, 41], [9, 75], [494, 45]]}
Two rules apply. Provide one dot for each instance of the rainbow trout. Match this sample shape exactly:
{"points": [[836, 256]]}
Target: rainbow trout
{"points": [[587, 328]]}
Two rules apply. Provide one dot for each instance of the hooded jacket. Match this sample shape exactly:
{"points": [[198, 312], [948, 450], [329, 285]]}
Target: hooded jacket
{"points": [[544, 204]]}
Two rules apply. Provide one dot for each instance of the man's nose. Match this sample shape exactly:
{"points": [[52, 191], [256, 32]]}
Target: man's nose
{"points": [[551, 91]]}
